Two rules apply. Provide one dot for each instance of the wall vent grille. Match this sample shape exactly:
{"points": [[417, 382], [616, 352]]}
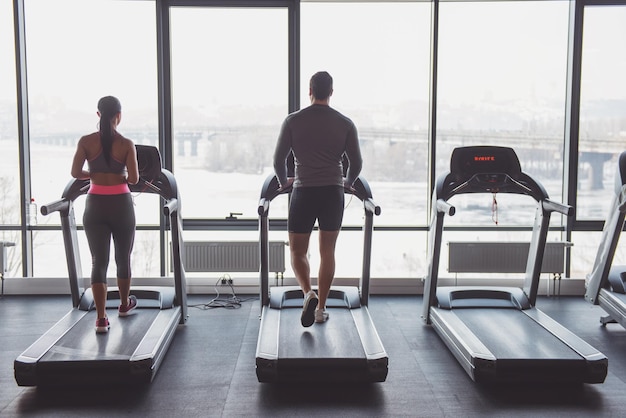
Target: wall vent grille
{"points": [[231, 256], [502, 257]]}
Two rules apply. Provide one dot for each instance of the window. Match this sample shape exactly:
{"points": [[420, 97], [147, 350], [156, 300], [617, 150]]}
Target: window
{"points": [[229, 83], [502, 74], [72, 62], [602, 109], [380, 69], [502, 68]]}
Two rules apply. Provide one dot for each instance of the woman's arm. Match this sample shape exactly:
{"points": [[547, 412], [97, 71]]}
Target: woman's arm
{"points": [[78, 163], [131, 164]]}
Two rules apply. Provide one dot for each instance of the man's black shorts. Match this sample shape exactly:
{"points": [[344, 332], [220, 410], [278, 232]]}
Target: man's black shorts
{"points": [[323, 203]]}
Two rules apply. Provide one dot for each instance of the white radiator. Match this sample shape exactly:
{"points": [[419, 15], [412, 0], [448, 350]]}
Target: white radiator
{"points": [[502, 257], [231, 256]]}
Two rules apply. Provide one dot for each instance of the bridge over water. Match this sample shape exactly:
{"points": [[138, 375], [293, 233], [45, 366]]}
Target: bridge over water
{"points": [[594, 152]]}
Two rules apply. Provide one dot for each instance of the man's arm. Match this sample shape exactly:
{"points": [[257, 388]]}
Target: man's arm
{"points": [[283, 147], [353, 153]]}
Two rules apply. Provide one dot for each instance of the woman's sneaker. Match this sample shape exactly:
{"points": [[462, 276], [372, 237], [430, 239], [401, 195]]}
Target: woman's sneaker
{"points": [[102, 325], [321, 315], [308, 309], [126, 310]]}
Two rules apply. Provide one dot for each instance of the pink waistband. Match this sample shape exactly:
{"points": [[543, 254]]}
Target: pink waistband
{"points": [[115, 189]]}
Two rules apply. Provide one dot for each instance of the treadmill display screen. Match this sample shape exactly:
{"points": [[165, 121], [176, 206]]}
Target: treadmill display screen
{"points": [[468, 161]]}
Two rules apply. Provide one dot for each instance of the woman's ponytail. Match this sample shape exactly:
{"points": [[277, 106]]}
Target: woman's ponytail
{"points": [[108, 107]]}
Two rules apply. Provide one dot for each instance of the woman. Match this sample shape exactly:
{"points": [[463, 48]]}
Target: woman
{"points": [[109, 210]]}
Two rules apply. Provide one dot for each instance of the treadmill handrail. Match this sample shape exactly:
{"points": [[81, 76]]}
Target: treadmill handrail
{"points": [[444, 206], [451, 184], [599, 277], [551, 205], [516, 182], [165, 186], [371, 206], [621, 199], [170, 207], [271, 189], [61, 205]]}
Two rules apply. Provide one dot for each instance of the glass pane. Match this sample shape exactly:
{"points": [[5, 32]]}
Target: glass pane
{"points": [[585, 249], [484, 209], [501, 83], [380, 69], [398, 254], [49, 251], [603, 103], [12, 243], [90, 59], [229, 78]]}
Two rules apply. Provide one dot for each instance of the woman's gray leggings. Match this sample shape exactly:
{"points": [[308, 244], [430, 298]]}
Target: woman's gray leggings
{"points": [[109, 216]]}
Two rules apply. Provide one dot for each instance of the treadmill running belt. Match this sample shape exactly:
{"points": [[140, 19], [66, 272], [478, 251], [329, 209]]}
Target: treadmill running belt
{"points": [[337, 338], [81, 343], [513, 335]]}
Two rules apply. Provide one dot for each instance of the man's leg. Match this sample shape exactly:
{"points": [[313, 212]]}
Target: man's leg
{"points": [[327, 241], [299, 248]]}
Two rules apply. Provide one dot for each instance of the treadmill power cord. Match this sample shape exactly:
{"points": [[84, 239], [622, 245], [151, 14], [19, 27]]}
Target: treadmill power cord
{"points": [[232, 302]]}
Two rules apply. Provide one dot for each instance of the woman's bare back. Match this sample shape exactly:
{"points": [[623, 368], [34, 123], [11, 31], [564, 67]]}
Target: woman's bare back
{"points": [[122, 149]]}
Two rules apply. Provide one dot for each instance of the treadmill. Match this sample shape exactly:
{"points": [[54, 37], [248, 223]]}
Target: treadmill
{"points": [[606, 285], [71, 353], [496, 333], [346, 348]]}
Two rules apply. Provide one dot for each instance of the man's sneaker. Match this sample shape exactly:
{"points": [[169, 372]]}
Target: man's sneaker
{"points": [[126, 310], [308, 309], [321, 315], [102, 325]]}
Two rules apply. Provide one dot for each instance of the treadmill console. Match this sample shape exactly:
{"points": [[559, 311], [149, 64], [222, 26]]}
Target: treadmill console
{"points": [[148, 162], [489, 163]]}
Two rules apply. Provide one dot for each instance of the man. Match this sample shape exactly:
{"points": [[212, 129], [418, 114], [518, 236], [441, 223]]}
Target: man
{"points": [[318, 136]]}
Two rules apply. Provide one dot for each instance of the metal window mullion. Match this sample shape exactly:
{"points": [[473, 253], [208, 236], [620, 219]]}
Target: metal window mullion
{"points": [[164, 91], [432, 121], [572, 117], [293, 41], [19, 26]]}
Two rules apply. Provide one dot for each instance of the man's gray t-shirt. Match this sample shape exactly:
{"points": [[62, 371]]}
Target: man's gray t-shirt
{"points": [[318, 135]]}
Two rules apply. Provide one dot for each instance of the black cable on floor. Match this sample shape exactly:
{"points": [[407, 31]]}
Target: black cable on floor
{"points": [[232, 302]]}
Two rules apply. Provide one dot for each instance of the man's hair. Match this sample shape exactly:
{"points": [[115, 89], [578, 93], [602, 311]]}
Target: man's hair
{"points": [[321, 85]]}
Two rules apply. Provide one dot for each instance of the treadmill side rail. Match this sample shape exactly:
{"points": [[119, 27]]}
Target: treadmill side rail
{"points": [[469, 351], [596, 367], [377, 359], [147, 358], [267, 346], [615, 306], [25, 366]]}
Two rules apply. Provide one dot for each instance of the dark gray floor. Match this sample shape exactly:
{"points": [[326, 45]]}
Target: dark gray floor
{"points": [[209, 371]]}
